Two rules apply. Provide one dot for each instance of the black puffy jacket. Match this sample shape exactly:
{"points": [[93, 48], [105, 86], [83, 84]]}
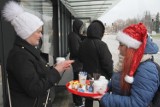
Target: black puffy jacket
{"points": [[74, 39], [29, 76], [94, 53]]}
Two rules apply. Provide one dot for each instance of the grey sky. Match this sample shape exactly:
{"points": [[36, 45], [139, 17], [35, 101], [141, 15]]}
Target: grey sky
{"points": [[129, 9]]}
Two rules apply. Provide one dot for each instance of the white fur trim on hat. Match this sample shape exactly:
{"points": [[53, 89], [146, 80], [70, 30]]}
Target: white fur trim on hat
{"points": [[129, 79], [24, 23], [128, 41]]}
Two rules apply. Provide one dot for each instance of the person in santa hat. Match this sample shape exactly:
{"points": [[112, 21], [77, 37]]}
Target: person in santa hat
{"points": [[30, 78], [135, 79]]}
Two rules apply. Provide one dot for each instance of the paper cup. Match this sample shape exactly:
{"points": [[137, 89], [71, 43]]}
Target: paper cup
{"points": [[96, 86], [60, 59], [100, 86], [82, 79]]}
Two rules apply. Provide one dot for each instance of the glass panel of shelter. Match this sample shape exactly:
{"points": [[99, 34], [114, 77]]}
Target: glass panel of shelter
{"points": [[44, 10]]}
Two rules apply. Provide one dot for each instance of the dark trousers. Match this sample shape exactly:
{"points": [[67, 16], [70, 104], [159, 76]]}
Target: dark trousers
{"points": [[88, 102], [76, 99]]}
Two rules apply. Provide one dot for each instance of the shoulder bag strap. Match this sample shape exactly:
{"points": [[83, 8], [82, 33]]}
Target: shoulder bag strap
{"points": [[9, 96], [47, 98]]}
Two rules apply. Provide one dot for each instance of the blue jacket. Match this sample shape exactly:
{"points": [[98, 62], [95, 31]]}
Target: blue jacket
{"points": [[146, 82]]}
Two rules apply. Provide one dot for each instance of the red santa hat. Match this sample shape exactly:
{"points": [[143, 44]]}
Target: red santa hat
{"points": [[134, 36]]}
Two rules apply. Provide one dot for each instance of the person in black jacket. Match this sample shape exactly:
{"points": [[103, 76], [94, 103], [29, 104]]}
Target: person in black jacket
{"points": [[74, 40], [95, 55], [30, 78]]}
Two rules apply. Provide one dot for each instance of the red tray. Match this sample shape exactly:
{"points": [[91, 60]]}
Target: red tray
{"points": [[82, 94]]}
